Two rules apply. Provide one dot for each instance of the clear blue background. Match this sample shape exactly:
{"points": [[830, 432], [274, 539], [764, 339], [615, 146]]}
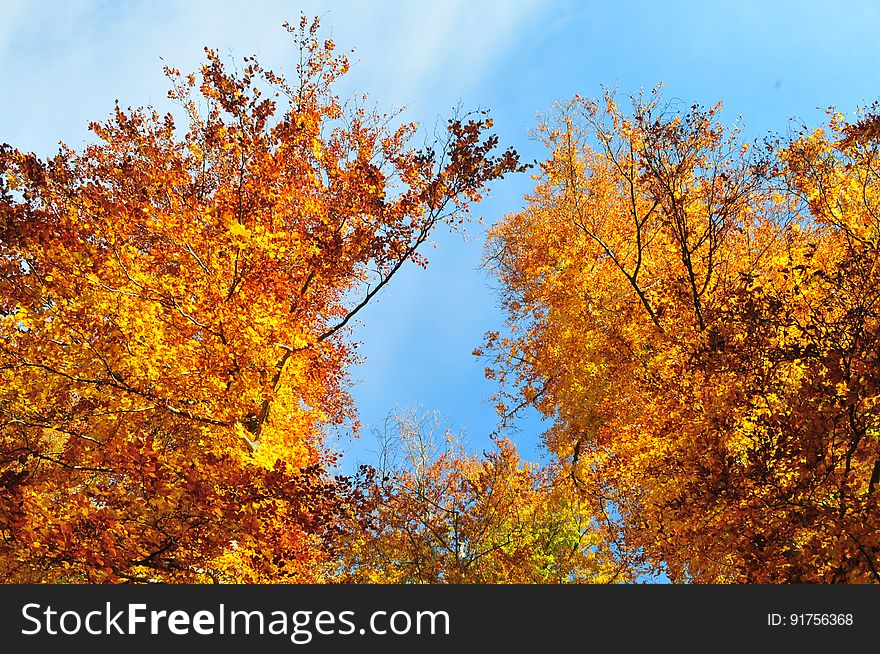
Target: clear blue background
{"points": [[62, 64]]}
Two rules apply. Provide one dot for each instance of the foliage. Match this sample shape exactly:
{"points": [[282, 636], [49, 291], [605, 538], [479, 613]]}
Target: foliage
{"points": [[700, 320], [174, 306], [439, 515]]}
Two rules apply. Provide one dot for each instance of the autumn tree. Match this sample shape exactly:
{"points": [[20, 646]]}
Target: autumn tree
{"points": [[174, 312], [437, 514], [699, 318]]}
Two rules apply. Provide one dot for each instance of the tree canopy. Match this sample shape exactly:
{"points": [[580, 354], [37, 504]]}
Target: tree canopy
{"points": [[699, 318], [174, 313]]}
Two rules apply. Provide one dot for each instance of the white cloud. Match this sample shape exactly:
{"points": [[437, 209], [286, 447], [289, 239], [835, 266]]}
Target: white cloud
{"points": [[63, 63]]}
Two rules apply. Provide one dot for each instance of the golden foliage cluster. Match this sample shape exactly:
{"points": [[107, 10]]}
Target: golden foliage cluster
{"points": [[699, 318]]}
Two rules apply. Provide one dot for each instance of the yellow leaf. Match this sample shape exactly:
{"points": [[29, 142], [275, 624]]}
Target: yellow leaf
{"points": [[237, 229]]}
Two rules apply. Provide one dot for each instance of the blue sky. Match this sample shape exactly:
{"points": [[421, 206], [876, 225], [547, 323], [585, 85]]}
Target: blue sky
{"points": [[62, 64]]}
